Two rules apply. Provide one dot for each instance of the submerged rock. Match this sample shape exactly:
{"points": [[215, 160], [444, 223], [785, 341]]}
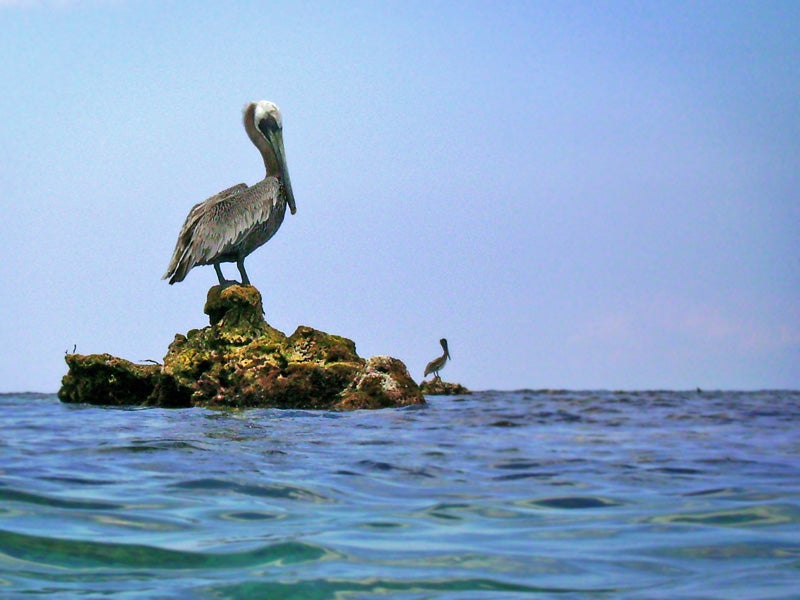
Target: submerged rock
{"points": [[437, 387], [239, 360]]}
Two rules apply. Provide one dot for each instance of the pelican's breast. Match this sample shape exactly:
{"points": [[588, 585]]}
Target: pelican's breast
{"points": [[267, 208]]}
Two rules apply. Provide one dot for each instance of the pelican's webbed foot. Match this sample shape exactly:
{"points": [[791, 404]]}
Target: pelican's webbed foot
{"points": [[228, 283]]}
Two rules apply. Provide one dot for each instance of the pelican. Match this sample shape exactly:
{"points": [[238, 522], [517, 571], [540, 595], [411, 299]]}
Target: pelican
{"points": [[231, 224], [438, 363]]}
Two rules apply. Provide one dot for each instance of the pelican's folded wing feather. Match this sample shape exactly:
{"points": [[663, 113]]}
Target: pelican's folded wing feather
{"points": [[190, 240]]}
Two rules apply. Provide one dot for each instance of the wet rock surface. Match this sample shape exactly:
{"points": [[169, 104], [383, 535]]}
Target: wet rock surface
{"points": [[239, 360]]}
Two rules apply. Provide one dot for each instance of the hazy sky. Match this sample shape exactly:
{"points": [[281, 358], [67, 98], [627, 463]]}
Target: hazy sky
{"points": [[576, 194]]}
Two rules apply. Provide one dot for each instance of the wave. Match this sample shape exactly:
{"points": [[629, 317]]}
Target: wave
{"points": [[83, 554]]}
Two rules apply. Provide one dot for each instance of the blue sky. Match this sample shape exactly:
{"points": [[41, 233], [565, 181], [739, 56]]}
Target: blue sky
{"points": [[576, 194]]}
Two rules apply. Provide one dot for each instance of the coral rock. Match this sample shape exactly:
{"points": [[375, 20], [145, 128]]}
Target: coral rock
{"points": [[384, 381], [239, 360], [106, 379], [437, 387]]}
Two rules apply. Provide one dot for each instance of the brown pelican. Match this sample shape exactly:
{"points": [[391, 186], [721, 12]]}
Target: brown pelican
{"points": [[231, 224], [438, 363]]}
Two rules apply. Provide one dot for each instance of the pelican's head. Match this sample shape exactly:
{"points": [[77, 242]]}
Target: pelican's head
{"points": [[264, 125], [443, 342]]}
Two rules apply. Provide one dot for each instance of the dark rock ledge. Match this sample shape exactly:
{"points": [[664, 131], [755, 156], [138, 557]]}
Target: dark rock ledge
{"points": [[239, 360]]}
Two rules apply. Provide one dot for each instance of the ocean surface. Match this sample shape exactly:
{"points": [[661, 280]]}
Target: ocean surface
{"points": [[494, 495]]}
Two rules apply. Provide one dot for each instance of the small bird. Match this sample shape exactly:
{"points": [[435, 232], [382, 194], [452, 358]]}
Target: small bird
{"points": [[231, 224], [438, 363]]}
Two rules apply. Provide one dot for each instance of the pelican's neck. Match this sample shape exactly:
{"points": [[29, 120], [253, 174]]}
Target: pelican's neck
{"points": [[260, 142], [270, 160]]}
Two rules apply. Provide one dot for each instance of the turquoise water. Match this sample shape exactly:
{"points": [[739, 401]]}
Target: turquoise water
{"points": [[490, 496]]}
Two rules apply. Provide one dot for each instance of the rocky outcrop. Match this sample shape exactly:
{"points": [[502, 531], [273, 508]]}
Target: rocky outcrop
{"points": [[118, 382], [437, 387], [239, 360]]}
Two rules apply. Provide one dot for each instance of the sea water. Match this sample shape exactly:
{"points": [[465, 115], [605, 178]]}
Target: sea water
{"points": [[486, 496]]}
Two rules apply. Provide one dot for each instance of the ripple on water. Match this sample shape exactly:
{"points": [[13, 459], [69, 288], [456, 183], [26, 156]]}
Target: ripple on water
{"points": [[735, 494], [467, 511], [75, 553], [247, 516], [319, 589], [522, 468], [145, 446], [12, 495], [574, 502], [283, 491], [749, 516], [385, 467], [759, 550]]}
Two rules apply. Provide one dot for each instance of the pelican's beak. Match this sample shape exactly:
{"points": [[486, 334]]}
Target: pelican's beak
{"points": [[276, 140]]}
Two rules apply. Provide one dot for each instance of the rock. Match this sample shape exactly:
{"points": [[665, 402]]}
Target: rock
{"points": [[239, 360], [437, 387], [106, 379], [383, 381]]}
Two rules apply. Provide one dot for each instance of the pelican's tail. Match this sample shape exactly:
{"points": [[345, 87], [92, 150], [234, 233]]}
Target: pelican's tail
{"points": [[180, 264]]}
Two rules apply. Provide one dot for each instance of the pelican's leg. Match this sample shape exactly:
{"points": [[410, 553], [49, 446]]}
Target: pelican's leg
{"points": [[222, 281], [240, 265], [219, 274]]}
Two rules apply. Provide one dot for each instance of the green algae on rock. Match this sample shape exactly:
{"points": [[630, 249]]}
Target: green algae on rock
{"points": [[437, 387], [239, 360]]}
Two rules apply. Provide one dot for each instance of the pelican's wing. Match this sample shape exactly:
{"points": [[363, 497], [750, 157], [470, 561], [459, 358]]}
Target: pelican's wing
{"points": [[184, 257], [229, 219], [429, 368]]}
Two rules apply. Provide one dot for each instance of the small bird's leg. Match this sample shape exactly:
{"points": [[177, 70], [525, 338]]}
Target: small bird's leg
{"points": [[240, 265]]}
